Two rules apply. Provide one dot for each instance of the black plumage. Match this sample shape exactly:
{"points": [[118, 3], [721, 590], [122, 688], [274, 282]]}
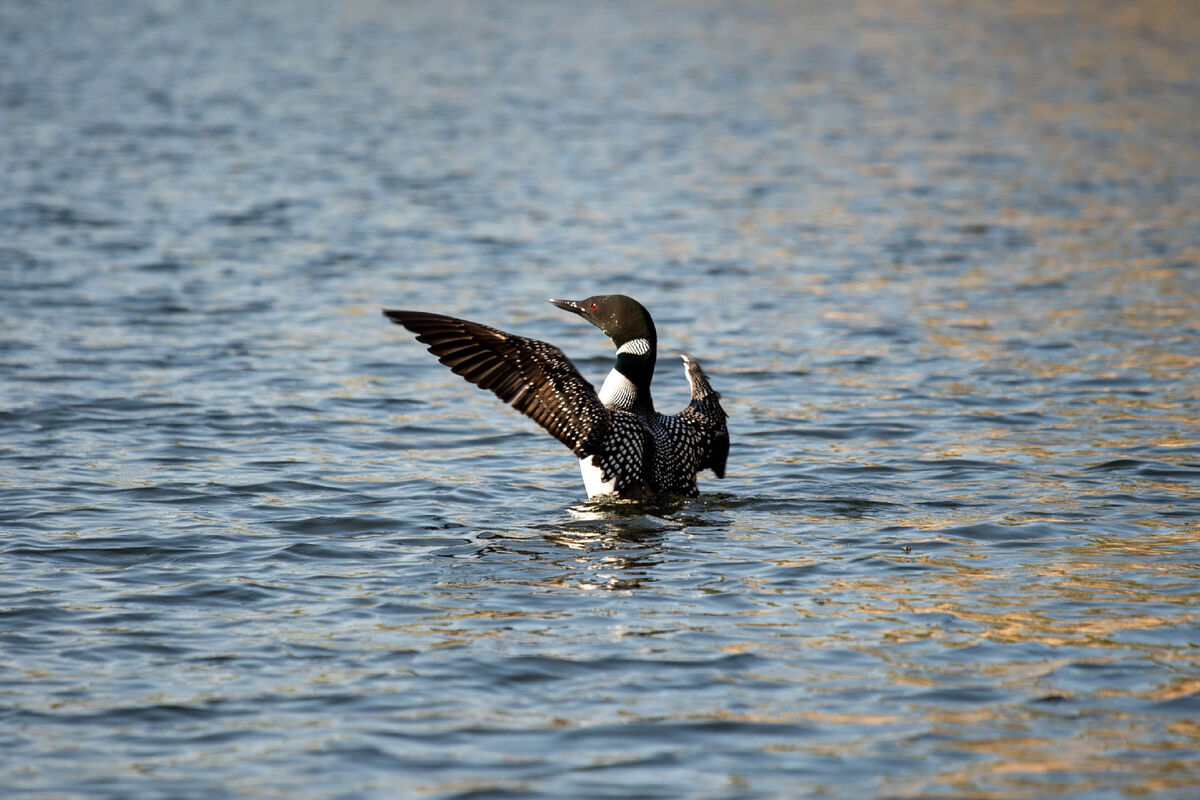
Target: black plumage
{"points": [[636, 452]]}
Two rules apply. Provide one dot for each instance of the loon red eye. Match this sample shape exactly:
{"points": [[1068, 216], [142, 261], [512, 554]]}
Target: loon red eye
{"points": [[593, 306]]}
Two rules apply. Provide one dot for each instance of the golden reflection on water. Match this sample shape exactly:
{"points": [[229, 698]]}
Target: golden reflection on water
{"points": [[1122, 376], [1029, 746], [1019, 762]]}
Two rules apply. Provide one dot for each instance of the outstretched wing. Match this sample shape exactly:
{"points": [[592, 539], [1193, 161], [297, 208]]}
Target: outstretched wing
{"points": [[535, 377], [707, 417]]}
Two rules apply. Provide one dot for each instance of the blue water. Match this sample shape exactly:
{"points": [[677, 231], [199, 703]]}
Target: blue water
{"points": [[941, 260]]}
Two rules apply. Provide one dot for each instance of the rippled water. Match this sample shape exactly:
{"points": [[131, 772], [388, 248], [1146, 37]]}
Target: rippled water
{"points": [[940, 259]]}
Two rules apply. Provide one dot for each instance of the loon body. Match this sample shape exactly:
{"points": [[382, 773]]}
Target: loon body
{"points": [[625, 447]]}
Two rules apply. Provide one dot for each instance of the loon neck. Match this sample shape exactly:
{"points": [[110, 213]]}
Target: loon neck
{"points": [[628, 384]]}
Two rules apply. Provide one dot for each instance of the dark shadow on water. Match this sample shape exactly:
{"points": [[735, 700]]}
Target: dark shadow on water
{"points": [[833, 506], [635, 513], [611, 545], [603, 554], [855, 507], [618, 521]]}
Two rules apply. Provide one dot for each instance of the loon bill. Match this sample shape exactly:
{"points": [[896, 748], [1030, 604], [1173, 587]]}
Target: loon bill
{"points": [[625, 448]]}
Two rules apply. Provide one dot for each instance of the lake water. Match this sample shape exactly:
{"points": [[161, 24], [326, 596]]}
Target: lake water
{"points": [[941, 259]]}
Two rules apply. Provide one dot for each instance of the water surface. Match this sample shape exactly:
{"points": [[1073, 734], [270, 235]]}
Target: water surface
{"points": [[940, 259]]}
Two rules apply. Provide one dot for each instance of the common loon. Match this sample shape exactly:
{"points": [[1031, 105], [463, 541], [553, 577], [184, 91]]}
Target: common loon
{"points": [[625, 448]]}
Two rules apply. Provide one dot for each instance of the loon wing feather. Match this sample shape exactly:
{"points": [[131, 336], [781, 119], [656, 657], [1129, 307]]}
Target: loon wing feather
{"points": [[535, 377], [707, 417]]}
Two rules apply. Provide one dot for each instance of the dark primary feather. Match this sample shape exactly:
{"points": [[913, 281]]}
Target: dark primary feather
{"points": [[532, 375]]}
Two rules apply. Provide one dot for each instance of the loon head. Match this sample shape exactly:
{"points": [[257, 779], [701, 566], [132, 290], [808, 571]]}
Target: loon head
{"points": [[623, 319]]}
